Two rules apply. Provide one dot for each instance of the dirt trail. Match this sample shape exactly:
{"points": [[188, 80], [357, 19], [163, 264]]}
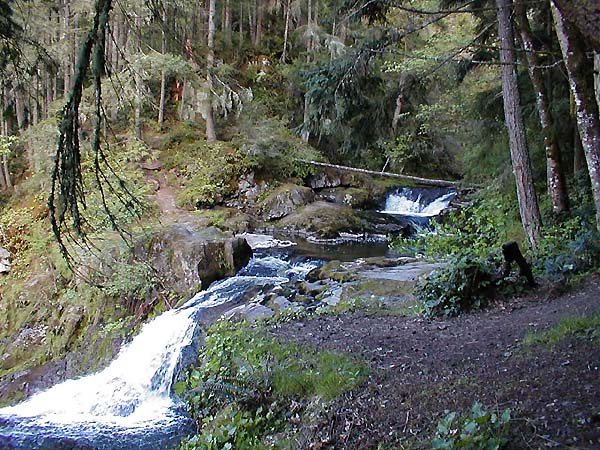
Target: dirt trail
{"points": [[165, 197], [420, 368]]}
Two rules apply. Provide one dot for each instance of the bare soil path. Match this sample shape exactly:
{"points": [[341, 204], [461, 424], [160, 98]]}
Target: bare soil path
{"points": [[419, 368]]}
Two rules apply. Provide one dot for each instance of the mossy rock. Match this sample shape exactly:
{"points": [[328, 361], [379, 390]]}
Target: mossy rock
{"points": [[325, 220], [285, 200], [353, 197]]}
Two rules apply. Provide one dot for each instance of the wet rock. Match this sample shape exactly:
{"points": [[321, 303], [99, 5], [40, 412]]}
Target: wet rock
{"points": [[252, 312], [332, 296], [279, 303], [189, 260], [285, 200]]}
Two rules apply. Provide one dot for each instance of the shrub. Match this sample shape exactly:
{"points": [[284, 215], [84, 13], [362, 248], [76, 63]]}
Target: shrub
{"points": [[269, 147], [477, 229], [210, 172], [568, 248], [478, 430], [460, 286]]}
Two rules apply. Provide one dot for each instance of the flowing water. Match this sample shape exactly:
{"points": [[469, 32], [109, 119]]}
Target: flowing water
{"points": [[129, 405], [418, 202]]}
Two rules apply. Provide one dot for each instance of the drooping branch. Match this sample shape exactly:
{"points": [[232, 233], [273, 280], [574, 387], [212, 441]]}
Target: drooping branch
{"points": [[67, 197]]}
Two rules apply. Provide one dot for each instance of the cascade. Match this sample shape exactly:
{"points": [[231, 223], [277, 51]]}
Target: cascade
{"points": [[129, 403], [418, 202]]}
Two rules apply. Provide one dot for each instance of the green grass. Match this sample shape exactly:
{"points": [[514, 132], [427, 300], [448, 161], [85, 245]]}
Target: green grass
{"points": [[246, 382], [584, 327]]}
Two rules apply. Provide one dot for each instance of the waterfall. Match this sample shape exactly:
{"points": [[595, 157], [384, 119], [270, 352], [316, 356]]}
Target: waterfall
{"points": [[418, 202], [132, 394]]}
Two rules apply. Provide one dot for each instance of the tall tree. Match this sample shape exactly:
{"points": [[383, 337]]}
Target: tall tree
{"points": [[557, 186], [528, 204], [211, 135], [581, 82]]}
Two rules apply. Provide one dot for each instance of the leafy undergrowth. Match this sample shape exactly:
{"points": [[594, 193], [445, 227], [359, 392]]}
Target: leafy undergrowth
{"points": [[247, 386], [581, 327], [478, 430]]}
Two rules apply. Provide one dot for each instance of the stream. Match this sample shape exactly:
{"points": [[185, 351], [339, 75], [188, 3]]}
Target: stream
{"points": [[129, 404]]}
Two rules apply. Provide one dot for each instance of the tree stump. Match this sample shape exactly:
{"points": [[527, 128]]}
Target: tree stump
{"points": [[512, 253]]}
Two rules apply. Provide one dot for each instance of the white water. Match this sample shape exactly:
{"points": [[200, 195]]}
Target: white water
{"points": [[134, 390], [401, 203]]}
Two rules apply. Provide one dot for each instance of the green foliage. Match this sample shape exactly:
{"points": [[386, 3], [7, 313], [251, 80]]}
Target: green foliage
{"points": [[210, 172], [24, 233], [130, 280], [568, 248], [581, 327], [231, 429], [478, 229], [245, 380], [270, 148], [460, 286], [477, 431], [126, 199]]}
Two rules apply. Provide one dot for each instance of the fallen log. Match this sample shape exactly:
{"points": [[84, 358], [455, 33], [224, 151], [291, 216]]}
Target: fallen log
{"points": [[416, 180]]}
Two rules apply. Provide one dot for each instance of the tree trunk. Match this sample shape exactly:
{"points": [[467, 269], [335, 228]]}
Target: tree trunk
{"points": [[399, 176], [286, 30], [66, 57], [241, 28], [138, 82], [306, 119], [557, 186], [227, 22], [597, 76], [211, 135], [19, 104], [260, 11], [528, 204], [582, 88], [163, 76]]}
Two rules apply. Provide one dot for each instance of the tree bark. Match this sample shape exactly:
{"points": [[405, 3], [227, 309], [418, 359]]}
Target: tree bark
{"points": [[557, 186], [306, 118], [528, 204], [286, 30], [260, 11], [67, 56], [227, 22], [582, 88], [19, 104], [597, 76], [138, 82], [163, 76], [211, 135]]}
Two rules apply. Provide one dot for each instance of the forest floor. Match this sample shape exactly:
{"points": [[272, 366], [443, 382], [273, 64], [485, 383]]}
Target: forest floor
{"points": [[419, 368]]}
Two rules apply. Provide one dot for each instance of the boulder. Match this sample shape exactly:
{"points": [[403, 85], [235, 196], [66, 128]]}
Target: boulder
{"points": [[353, 197], [252, 312], [326, 178], [323, 219], [285, 200], [248, 192], [189, 261]]}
